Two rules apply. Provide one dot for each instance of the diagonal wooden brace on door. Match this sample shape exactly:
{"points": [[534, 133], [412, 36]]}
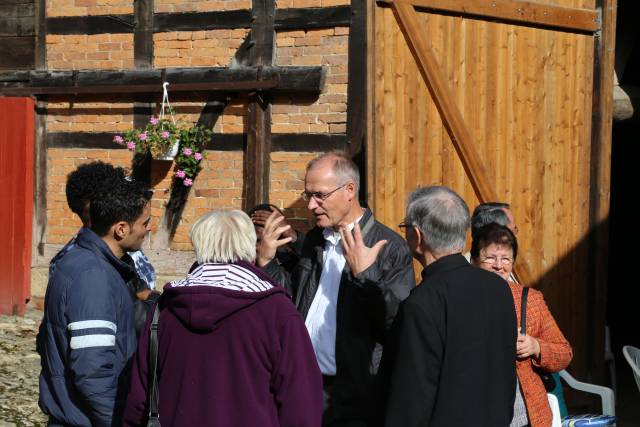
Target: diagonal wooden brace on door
{"points": [[450, 114]]}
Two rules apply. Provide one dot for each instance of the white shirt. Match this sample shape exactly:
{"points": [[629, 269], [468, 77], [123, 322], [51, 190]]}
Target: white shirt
{"points": [[321, 319]]}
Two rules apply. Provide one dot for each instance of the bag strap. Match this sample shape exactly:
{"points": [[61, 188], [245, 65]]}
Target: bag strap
{"points": [[153, 363], [523, 311]]}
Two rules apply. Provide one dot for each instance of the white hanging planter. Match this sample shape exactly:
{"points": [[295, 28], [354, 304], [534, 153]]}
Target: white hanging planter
{"points": [[169, 155]]}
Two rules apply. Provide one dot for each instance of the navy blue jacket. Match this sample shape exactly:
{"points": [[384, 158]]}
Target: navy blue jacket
{"points": [[87, 336]]}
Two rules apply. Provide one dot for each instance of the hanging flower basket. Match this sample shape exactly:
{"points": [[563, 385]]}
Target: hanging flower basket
{"points": [[168, 140], [161, 138]]}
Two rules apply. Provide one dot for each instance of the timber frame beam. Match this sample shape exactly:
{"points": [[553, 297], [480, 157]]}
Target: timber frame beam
{"points": [[517, 11], [277, 79], [285, 19]]}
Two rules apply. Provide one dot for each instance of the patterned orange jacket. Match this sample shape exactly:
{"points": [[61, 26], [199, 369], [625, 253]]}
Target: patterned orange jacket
{"points": [[555, 354]]}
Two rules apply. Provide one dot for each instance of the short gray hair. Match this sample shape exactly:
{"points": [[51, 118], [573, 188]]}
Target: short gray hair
{"points": [[442, 217], [488, 213], [224, 236], [343, 167]]}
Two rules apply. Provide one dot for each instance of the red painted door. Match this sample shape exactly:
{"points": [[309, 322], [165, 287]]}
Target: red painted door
{"points": [[16, 202]]}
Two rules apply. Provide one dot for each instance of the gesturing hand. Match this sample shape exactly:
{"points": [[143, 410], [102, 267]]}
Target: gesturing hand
{"points": [[259, 218], [271, 239], [527, 346], [356, 253]]}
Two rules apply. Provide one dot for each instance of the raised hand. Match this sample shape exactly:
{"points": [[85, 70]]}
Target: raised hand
{"points": [[356, 253], [259, 218], [272, 238]]}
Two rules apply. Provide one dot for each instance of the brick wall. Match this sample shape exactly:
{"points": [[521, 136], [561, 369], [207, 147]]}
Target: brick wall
{"points": [[88, 7], [82, 52], [213, 48], [327, 114], [283, 4], [161, 6]]}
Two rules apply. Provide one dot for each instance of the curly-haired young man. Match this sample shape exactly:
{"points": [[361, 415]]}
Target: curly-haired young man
{"points": [[83, 185], [87, 336]]}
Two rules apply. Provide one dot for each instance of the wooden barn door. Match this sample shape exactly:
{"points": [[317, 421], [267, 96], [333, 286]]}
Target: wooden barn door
{"points": [[16, 201], [504, 100]]}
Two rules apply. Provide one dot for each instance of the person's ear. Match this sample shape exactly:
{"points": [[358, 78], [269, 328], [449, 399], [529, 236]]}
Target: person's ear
{"points": [[120, 230], [420, 242], [351, 190]]}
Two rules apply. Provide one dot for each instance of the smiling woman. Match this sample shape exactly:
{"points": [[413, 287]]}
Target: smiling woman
{"points": [[542, 346]]}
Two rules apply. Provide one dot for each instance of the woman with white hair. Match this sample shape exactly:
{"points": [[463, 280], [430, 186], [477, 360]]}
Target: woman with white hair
{"points": [[232, 348]]}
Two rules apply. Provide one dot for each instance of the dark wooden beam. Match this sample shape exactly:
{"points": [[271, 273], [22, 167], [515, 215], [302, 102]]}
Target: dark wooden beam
{"points": [[600, 188], [40, 51], [200, 21], [288, 142], [276, 79], [285, 19], [517, 11], [97, 24], [356, 89], [40, 155], [257, 159], [143, 35], [308, 18]]}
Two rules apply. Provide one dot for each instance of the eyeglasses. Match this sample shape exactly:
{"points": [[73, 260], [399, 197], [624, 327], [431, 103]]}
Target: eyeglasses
{"points": [[492, 260], [405, 224], [319, 196]]}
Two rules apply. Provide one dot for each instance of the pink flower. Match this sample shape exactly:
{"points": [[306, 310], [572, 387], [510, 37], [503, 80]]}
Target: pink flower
{"points": [[118, 140], [131, 145], [180, 174], [143, 136], [153, 120], [198, 156], [165, 135], [187, 151], [188, 182]]}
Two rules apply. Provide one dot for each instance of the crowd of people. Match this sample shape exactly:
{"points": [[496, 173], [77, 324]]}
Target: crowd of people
{"points": [[275, 327]]}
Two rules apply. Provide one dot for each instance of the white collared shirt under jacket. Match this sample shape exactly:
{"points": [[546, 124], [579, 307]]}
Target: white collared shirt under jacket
{"points": [[321, 319]]}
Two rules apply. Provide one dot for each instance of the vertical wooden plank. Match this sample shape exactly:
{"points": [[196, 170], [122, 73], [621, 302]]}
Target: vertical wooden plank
{"points": [[600, 183], [258, 148]]}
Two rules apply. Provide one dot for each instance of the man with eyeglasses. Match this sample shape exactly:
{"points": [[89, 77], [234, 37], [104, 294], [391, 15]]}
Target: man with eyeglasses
{"points": [[352, 274], [450, 360]]}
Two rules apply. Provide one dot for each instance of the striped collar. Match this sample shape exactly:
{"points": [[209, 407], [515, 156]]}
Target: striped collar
{"points": [[228, 276]]}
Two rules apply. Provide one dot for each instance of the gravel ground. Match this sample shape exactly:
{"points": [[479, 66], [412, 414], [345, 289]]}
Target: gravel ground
{"points": [[19, 370]]}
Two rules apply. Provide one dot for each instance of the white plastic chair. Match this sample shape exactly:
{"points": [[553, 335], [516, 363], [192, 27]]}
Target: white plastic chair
{"points": [[606, 394], [632, 354]]}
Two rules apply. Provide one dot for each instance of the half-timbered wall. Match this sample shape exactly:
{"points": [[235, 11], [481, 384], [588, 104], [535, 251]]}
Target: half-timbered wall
{"points": [[220, 183]]}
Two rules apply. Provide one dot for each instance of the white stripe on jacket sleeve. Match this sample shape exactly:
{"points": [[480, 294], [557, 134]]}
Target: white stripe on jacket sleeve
{"points": [[91, 324], [97, 340]]}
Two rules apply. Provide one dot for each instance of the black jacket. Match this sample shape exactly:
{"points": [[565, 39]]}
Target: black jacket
{"points": [[367, 305], [451, 361]]}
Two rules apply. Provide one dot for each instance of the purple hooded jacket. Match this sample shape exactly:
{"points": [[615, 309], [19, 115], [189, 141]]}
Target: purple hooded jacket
{"points": [[228, 358]]}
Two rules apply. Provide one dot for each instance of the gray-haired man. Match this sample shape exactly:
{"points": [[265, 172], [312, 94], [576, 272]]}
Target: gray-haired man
{"points": [[350, 278], [451, 361]]}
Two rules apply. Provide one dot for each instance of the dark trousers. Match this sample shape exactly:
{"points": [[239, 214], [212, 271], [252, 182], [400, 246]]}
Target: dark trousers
{"points": [[328, 417]]}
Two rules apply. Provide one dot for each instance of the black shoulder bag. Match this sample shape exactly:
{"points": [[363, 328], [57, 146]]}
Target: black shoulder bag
{"points": [[546, 377], [154, 397]]}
